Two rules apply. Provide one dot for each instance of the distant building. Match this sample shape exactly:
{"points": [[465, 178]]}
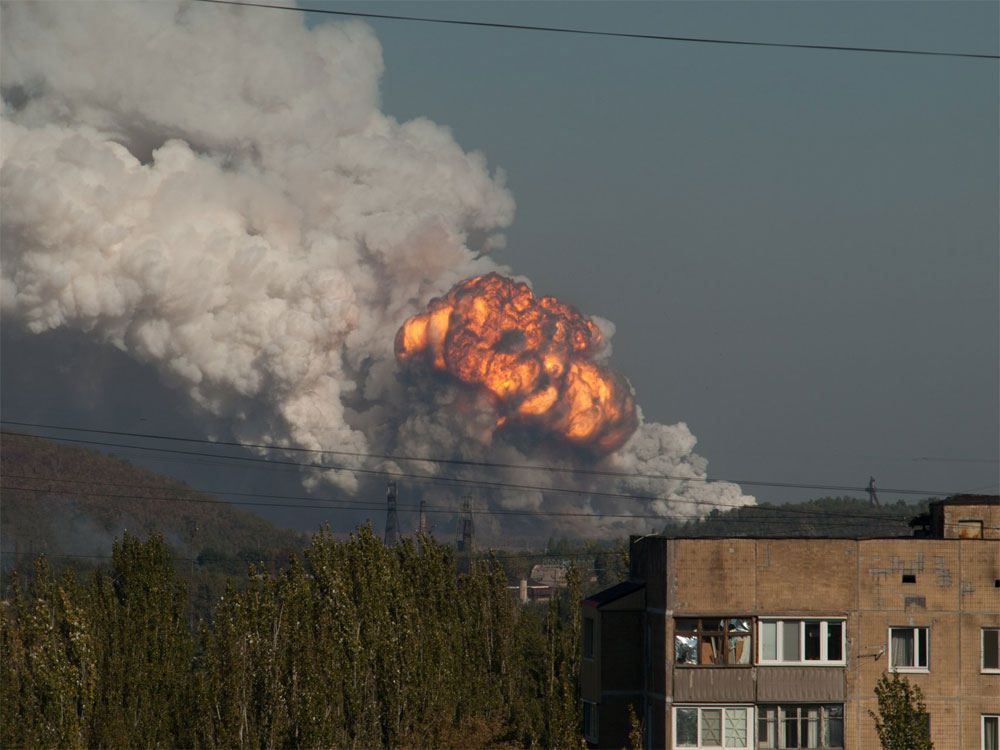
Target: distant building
{"points": [[779, 642], [542, 583], [553, 575]]}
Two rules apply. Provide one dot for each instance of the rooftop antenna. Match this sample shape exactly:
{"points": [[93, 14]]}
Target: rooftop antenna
{"points": [[391, 522], [872, 493]]}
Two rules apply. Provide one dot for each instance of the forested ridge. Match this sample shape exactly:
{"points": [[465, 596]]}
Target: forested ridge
{"points": [[66, 499], [358, 645]]}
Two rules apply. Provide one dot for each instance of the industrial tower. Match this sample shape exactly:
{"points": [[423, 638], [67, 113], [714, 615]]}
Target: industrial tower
{"points": [[391, 522]]}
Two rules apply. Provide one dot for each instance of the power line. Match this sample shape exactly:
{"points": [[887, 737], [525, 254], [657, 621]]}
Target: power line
{"points": [[371, 505], [425, 478], [499, 554], [432, 460], [591, 32]]}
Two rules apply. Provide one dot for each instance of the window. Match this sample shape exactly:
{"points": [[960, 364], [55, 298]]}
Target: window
{"points": [[991, 732], [970, 528], [908, 649], [801, 641], [590, 726], [712, 726], [991, 649], [712, 640], [588, 637], [810, 726]]}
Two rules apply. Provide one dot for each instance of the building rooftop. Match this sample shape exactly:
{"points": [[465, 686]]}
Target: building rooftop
{"points": [[614, 593]]}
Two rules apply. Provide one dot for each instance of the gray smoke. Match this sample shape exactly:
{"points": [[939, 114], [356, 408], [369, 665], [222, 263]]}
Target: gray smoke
{"points": [[214, 191]]}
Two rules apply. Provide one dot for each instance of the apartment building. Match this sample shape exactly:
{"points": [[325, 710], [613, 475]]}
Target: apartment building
{"points": [[779, 642]]}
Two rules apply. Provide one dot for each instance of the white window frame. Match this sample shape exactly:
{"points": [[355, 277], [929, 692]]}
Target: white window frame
{"points": [[917, 666], [748, 714], [824, 630], [591, 733], [982, 650], [982, 730], [780, 710]]}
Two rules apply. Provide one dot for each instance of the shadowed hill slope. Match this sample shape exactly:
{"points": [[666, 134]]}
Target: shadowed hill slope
{"points": [[73, 501]]}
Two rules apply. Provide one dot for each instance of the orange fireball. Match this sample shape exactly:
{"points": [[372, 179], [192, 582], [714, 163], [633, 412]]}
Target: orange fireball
{"points": [[533, 354]]}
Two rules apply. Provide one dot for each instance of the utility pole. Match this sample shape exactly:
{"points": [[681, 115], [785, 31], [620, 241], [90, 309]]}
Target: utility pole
{"points": [[465, 535], [391, 521], [872, 494]]}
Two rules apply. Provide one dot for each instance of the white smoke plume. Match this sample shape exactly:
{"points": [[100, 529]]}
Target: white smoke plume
{"points": [[214, 191]]}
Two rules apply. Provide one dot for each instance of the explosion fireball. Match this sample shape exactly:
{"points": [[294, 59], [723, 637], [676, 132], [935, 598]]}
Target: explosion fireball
{"points": [[533, 355]]}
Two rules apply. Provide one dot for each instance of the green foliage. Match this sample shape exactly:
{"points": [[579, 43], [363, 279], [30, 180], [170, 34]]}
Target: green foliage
{"points": [[48, 682], [901, 721], [143, 647], [635, 729], [358, 645], [560, 704]]}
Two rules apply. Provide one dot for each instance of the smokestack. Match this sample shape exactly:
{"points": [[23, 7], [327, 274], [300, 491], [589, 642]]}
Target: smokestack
{"points": [[423, 517], [391, 522]]}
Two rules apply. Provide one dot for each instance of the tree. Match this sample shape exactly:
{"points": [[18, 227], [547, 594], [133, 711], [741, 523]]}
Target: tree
{"points": [[901, 722], [635, 729]]}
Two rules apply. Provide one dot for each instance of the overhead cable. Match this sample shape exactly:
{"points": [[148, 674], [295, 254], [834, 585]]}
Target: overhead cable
{"points": [[592, 32], [427, 459]]}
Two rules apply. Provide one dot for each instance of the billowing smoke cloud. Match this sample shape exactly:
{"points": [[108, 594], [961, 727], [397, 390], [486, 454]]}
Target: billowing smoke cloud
{"points": [[214, 191]]}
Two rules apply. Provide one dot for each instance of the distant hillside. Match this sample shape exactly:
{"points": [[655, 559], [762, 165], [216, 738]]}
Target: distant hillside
{"points": [[68, 500]]}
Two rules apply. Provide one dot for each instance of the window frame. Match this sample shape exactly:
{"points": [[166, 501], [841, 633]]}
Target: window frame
{"points": [[591, 728], [982, 650], [775, 722], [749, 716], [982, 730], [724, 635], [824, 635], [916, 667]]}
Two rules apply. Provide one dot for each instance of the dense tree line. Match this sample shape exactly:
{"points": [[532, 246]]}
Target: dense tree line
{"points": [[357, 645]]}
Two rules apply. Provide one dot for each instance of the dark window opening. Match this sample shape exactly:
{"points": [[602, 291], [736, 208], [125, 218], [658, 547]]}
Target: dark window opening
{"points": [[812, 641], [834, 641], [909, 578], [991, 648]]}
